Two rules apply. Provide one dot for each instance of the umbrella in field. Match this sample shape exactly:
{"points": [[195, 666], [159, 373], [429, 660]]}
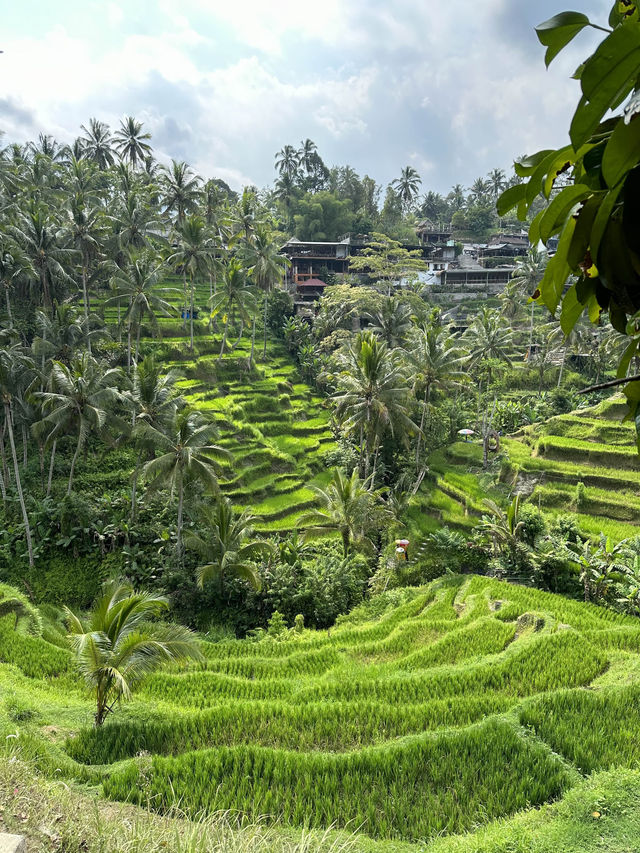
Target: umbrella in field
{"points": [[466, 433]]}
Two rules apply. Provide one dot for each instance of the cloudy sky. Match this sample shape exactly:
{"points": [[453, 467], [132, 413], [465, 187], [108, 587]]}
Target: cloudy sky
{"points": [[451, 88]]}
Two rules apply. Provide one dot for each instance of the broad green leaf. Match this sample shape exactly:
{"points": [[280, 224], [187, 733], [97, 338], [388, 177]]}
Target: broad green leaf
{"points": [[594, 309], [617, 317], [572, 308], [622, 152], [560, 208], [625, 361], [614, 65], [585, 122], [510, 198], [563, 159], [557, 32], [522, 210], [534, 185], [534, 228], [577, 74], [602, 220], [632, 391], [557, 270], [582, 234], [608, 75], [526, 166]]}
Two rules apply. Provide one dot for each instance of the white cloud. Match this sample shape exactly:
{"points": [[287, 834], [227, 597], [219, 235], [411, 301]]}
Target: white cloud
{"points": [[224, 85], [115, 14]]}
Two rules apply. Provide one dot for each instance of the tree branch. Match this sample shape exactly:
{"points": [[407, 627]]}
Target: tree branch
{"points": [[612, 384]]}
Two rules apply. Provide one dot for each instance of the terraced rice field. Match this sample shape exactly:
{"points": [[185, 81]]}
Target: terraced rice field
{"points": [[425, 712], [275, 427], [546, 462]]}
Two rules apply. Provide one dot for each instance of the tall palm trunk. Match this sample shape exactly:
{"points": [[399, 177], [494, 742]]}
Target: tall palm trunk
{"points": [[264, 348], [73, 462], [224, 337], [25, 446], [564, 357], [3, 456], [138, 342], [346, 541], [179, 532], [85, 298], [375, 462], [239, 336], [191, 308], [253, 339], [51, 463], [46, 294], [25, 517], [421, 428], [134, 488], [128, 347], [7, 299], [184, 300]]}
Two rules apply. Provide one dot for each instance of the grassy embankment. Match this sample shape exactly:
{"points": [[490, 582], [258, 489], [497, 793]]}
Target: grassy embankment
{"points": [[426, 711]]}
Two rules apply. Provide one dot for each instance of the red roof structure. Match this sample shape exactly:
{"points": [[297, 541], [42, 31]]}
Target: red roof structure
{"points": [[312, 282]]}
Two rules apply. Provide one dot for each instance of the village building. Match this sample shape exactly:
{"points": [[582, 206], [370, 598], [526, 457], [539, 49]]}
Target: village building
{"points": [[503, 248]]}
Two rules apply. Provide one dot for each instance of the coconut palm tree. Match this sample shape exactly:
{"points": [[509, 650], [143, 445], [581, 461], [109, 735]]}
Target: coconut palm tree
{"points": [[137, 284], [479, 191], [16, 373], [346, 504], [14, 267], [119, 643], [61, 336], [407, 186], [244, 219], [83, 401], [433, 206], [456, 197], [267, 268], [392, 321], [180, 189], [288, 162], [97, 143], [136, 226], [489, 337], [38, 237], [130, 142], [186, 454], [155, 401], [194, 256], [497, 181], [372, 397], [227, 546], [306, 154], [234, 297], [438, 363], [285, 193], [87, 231]]}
